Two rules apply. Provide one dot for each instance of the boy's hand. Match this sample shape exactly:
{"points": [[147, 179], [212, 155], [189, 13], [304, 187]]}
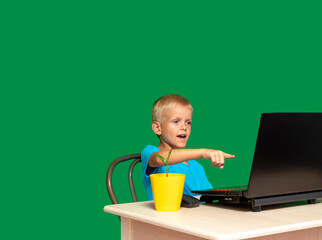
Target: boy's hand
{"points": [[216, 157]]}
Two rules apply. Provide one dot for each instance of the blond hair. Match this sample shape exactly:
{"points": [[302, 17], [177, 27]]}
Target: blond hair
{"points": [[163, 103]]}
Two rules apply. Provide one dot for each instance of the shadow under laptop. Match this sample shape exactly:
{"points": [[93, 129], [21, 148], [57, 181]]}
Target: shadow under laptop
{"points": [[244, 207]]}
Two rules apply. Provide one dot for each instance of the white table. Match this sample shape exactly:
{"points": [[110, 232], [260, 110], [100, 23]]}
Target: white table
{"points": [[296, 221]]}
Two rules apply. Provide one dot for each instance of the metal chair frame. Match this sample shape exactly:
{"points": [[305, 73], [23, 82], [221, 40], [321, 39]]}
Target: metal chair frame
{"points": [[110, 190]]}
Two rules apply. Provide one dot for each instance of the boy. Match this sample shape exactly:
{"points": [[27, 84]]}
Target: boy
{"points": [[172, 117]]}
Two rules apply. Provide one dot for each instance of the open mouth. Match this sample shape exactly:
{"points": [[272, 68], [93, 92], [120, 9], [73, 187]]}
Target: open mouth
{"points": [[182, 136]]}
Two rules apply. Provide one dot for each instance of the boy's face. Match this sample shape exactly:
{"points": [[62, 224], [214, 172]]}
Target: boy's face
{"points": [[175, 127]]}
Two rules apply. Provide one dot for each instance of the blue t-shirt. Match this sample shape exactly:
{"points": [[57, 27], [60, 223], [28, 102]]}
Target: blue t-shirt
{"points": [[196, 178]]}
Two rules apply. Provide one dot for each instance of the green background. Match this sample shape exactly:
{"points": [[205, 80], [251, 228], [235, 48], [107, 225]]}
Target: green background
{"points": [[78, 80]]}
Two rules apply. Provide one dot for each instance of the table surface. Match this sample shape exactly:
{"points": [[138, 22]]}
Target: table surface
{"points": [[219, 221]]}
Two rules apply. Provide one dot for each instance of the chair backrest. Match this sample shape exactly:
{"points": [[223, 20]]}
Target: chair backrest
{"points": [[135, 158]]}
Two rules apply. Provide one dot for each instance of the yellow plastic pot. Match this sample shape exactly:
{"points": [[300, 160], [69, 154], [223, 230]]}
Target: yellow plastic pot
{"points": [[167, 191]]}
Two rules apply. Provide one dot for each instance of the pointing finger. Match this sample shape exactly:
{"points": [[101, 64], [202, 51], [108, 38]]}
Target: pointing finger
{"points": [[226, 155]]}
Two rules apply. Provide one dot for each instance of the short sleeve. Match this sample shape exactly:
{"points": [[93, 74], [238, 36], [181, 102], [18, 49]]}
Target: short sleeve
{"points": [[145, 156]]}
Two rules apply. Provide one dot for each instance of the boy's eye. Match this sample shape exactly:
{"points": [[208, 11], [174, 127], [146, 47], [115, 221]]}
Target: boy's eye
{"points": [[175, 121], [188, 123]]}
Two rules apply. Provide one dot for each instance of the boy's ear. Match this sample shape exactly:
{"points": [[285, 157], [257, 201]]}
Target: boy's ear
{"points": [[156, 127]]}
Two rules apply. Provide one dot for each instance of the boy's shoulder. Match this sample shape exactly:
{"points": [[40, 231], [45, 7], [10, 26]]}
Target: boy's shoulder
{"points": [[150, 147], [148, 150]]}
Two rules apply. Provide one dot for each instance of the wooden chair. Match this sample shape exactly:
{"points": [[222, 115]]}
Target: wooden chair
{"points": [[135, 158]]}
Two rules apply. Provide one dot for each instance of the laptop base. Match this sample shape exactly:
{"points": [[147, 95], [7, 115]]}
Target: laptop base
{"points": [[257, 203]]}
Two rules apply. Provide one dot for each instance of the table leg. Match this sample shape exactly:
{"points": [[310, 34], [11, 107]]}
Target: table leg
{"points": [[125, 229]]}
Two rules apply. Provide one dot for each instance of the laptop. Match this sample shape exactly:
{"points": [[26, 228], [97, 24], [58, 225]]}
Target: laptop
{"points": [[287, 163]]}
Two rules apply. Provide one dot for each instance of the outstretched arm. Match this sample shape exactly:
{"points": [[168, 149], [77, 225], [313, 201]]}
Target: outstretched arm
{"points": [[216, 157]]}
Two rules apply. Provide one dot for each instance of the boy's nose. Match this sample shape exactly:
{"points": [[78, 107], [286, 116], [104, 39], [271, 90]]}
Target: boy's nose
{"points": [[183, 126]]}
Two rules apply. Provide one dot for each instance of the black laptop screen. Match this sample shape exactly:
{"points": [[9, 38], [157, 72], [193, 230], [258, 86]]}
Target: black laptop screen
{"points": [[288, 155]]}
